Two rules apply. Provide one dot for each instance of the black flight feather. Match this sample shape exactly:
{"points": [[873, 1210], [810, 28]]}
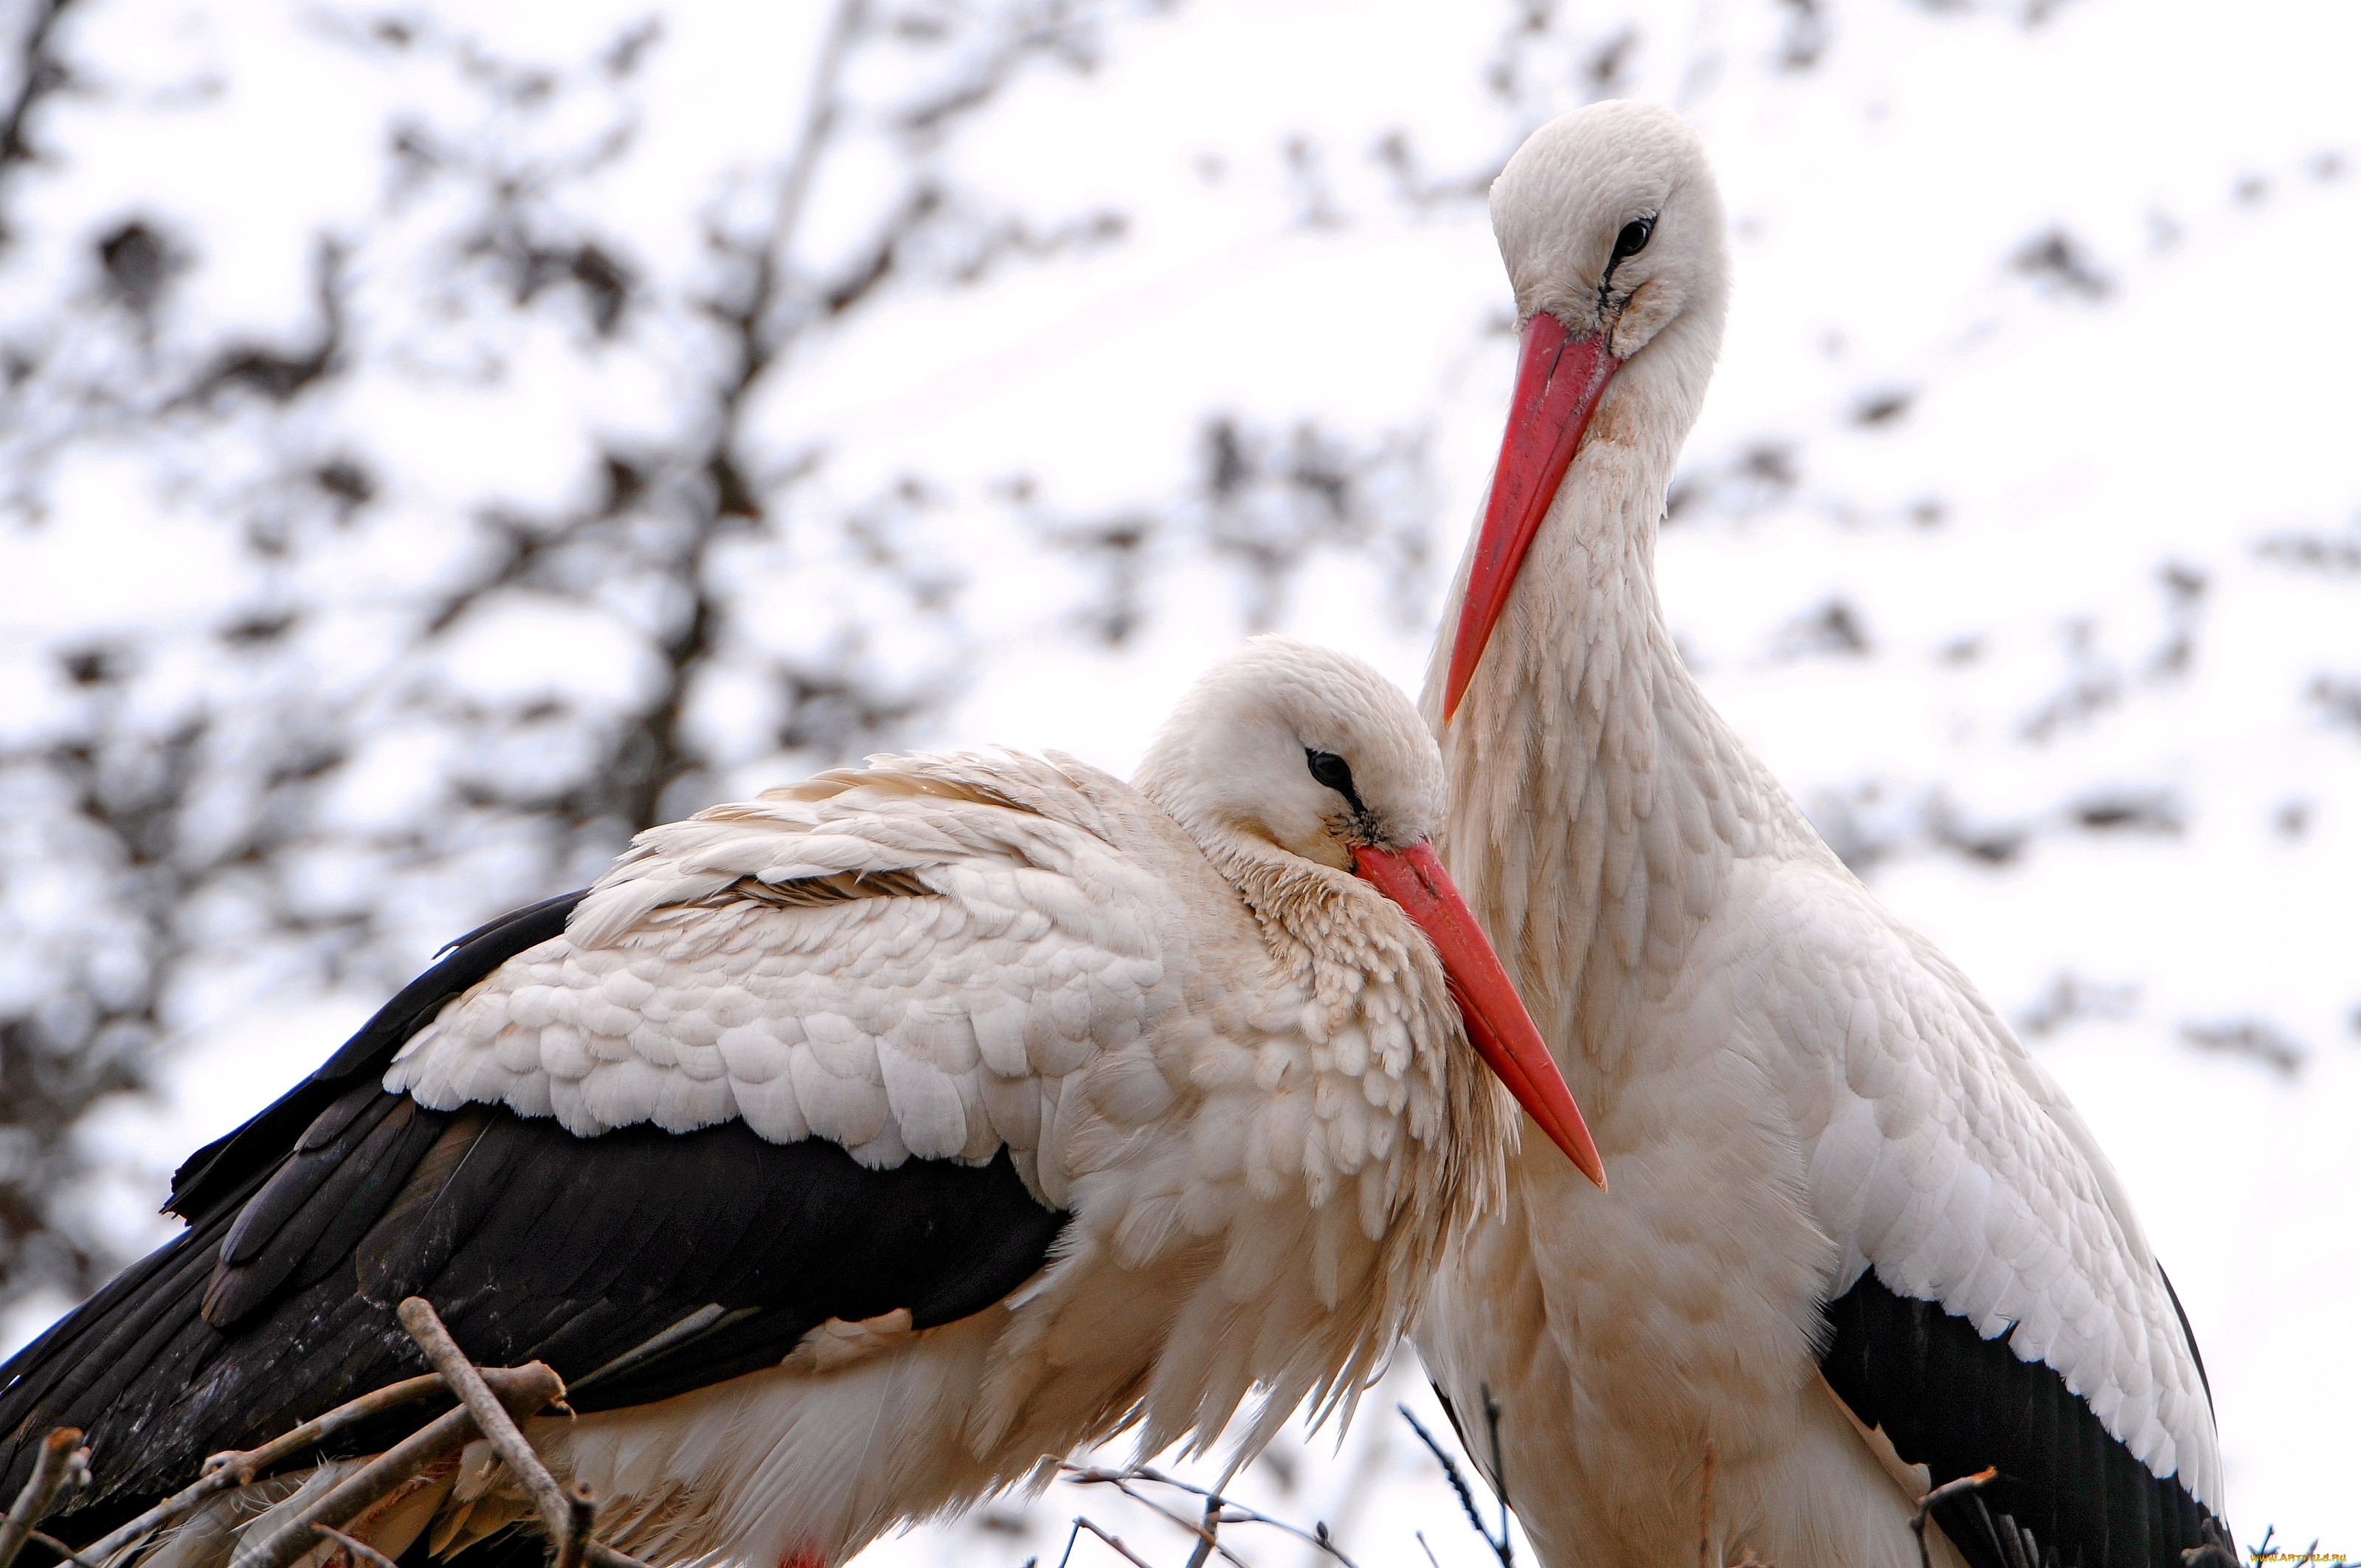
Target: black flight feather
{"points": [[308, 1224], [2067, 1495]]}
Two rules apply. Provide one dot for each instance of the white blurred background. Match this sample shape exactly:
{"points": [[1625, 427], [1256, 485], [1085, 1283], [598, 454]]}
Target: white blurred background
{"points": [[438, 440]]}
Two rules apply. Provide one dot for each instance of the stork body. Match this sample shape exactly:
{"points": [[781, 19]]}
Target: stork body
{"points": [[1858, 1242], [859, 1150]]}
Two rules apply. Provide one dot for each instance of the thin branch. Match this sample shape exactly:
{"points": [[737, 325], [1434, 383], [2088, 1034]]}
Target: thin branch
{"points": [[430, 1444], [58, 1471], [821, 111], [1208, 1529], [65, 1553], [1500, 1473], [44, 74], [1208, 1540], [563, 1514], [361, 1551], [224, 1472], [1459, 1484], [492, 1418], [1958, 1488], [1129, 1554], [581, 1513], [1219, 1509]]}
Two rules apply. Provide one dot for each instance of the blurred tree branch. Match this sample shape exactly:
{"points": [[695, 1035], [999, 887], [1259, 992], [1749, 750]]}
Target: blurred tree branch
{"points": [[38, 73]]}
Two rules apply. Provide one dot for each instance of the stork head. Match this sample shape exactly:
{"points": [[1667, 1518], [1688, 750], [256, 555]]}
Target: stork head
{"points": [[1292, 749], [1612, 226], [1295, 746]]}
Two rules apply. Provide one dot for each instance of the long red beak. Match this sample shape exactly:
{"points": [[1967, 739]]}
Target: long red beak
{"points": [[1558, 386], [1498, 1024]]}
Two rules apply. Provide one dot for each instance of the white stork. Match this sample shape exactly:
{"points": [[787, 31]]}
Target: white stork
{"points": [[1858, 1243], [857, 1150]]}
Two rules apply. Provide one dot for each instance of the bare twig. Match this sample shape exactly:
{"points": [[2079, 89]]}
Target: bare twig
{"points": [[1500, 1548], [432, 1442], [1500, 1473], [1208, 1540], [1959, 1486], [492, 1418], [1208, 1530], [363, 1555], [47, 1542], [44, 73], [1450, 1470], [602, 1556], [224, 1472], [60, 1468], [581, 1512], [820, 111], [560, 1513], [1219, 1509], [1129, 1554]]}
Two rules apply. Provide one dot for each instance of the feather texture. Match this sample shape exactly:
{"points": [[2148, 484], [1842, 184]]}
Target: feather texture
{"points": [[1801, 1103], [965, 1104]]}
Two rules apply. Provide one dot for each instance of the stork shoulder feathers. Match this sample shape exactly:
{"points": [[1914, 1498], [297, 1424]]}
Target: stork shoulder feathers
{"points": [[1022, 927], [903, 961]]}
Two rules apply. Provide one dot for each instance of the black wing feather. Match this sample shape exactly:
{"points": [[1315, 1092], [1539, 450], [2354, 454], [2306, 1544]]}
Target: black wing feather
{"points": [[1957, 1402], [313, 1221]]}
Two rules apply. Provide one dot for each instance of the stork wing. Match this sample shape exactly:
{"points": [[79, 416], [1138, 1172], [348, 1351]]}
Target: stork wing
{"points": [[901, 960], [1996, 1303], [746, 1032]]}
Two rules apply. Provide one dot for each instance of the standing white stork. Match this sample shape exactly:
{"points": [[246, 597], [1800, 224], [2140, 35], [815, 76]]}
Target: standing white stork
{"points": [[855, 1151], [1858, 1243]]}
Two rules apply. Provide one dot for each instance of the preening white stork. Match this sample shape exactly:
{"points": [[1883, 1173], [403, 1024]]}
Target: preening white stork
{"points": [[1858, 1241], [859, 1149]]}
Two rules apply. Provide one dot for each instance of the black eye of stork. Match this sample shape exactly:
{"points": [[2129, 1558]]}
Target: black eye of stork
{"points": [[1333, 770]]}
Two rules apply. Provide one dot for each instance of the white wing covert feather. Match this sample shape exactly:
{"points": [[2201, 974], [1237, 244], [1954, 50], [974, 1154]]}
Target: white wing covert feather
{"points": [[941, 957], [905, 960], [1941, 1155]]}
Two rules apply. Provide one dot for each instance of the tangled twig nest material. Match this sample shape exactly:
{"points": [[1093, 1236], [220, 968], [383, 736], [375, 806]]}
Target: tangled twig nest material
{"points": [[490, 1401]]}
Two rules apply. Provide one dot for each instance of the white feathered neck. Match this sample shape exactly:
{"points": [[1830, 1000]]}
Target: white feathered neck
{"points": [[1597, 802]]}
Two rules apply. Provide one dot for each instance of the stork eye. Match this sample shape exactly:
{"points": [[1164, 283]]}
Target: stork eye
{"points": [[1633, 239], [1333, 770]]}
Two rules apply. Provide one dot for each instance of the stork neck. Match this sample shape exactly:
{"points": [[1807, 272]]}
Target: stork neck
{"points": [[1597, 802], [1293, 903]]}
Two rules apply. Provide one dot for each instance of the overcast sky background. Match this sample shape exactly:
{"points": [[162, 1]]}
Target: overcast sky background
{"points": [[2022, 535]]}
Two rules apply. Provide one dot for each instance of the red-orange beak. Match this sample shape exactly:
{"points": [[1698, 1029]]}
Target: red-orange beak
{"points": [[1559, 381], [1498, 1024]]}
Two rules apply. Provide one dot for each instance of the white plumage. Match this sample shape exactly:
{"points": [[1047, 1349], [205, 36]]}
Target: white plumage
{"points": [[1257, 1172], [1797, 1095], [936, 1024], [1229, 1072], [1018, 998]]}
